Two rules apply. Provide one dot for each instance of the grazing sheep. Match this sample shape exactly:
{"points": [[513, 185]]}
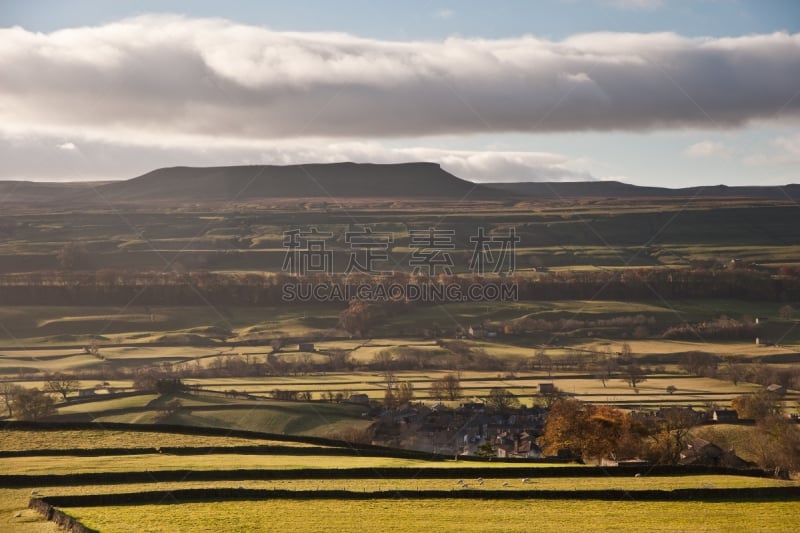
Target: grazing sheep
{"points": [[34, 492], [638, 475], [505, 483], [525, 480]]}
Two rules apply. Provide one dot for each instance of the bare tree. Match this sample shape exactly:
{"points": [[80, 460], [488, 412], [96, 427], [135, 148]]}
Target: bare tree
{"points": [[501, 399], [736, 371], [168, 409], [633, 375], [438, 391], [73, 256], [338, 359], [607, 368], [32, 404], [7, 392], [60, 383], [543, 361], [626, 352], [277, 344], [448, 387], [550, 397], [405, 392], [452, 384], [670, 434]]}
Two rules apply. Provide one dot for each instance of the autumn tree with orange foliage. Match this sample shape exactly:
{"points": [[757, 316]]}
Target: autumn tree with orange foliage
{"points": [[589, 431]]}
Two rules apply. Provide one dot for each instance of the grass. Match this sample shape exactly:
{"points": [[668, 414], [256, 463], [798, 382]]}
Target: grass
{"points": [[156, 462], [440, 515], [446, 483], [395, 515], [31, 325], [94, 439], [45, 326], [131, 402], [292, 418], [338, 515]]}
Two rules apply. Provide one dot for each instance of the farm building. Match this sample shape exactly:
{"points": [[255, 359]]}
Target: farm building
{"points": [[780, 390], [702, 452], [516, 446], [724, 415], [547, 388], [359, 398]]}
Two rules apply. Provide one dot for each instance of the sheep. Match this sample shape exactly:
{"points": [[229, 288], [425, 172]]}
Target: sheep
{"points": [[505, 483]]}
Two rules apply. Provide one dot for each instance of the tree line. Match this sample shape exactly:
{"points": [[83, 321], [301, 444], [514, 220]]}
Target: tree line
{"points": [[594, 432], [115, 287]]}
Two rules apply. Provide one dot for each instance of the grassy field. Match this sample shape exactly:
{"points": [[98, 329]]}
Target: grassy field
{"points": [[553, 233], [157, 462], [337, 514], [32, 325], [315, 417], [105, 438], [397, 515], [39, 326], [442, 515], [269, 416]]}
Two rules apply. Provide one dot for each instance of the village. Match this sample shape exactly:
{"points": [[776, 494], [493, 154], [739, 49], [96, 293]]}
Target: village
{"points": [[473, 429]]}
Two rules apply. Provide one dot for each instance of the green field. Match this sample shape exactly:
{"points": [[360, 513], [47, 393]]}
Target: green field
{"points": [[158, 292], [393, 514], [554, 234], [443, 515], [32, 326], [107, 438]]}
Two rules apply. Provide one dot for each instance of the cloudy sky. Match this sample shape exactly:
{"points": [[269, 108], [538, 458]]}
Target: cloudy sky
{"points": [[651, 92]]}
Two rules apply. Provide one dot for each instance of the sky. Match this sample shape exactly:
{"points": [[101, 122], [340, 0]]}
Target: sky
{"points": [[651, 92]]}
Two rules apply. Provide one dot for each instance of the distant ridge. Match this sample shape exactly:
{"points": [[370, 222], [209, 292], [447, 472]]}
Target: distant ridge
{"points": [[333, 180], [617, 189], [198, 185]]}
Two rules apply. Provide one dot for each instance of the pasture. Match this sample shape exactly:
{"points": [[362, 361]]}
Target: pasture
{"points": [[459, 496], [554, 233], [442, 515]]}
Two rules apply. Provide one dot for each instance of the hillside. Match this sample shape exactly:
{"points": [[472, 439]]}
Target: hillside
{"points": [[200, 185], [616, 189], [335, 180], [35, 192]]}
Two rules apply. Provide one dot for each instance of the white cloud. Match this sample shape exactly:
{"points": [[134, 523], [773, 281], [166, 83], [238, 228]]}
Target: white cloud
{"points": [[709, 149], [161, 79], [790, 146], [782, 150], [163, 90], [444, 14], [27, 158]]}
